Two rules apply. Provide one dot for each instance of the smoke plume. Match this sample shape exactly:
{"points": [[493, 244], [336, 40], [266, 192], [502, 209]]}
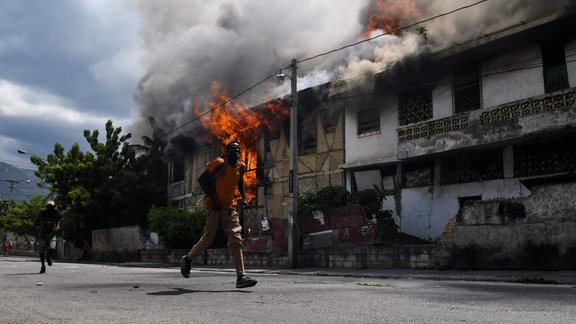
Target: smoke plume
{"points": [[191, 43]]}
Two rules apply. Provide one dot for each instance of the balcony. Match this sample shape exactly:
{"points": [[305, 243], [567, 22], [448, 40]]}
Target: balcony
{"points": [[175, 189], [510, 121]]}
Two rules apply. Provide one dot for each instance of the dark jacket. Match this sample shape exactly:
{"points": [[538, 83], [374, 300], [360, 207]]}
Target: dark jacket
{"points": [[49, 221]]}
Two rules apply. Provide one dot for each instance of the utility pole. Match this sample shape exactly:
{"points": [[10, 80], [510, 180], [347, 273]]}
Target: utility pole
{"points": [[293, 237], [13, 186]]}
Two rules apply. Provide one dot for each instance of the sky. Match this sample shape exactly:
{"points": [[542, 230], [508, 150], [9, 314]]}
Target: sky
{"points": [[71, 65], [65, 66]]}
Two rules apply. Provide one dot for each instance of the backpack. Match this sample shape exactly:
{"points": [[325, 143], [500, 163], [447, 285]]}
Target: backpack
{"points": [[207, 179]]}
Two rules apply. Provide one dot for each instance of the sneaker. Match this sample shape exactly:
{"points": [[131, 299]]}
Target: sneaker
{"points": [[245, 282], [43, 269], [49, 261], [185, 266]]}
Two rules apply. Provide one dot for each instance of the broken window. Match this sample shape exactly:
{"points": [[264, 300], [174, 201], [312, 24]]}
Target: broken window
{"points": [[329, 119], [307, 133], [414, 107], [177, 170], [381, 178], [467, 94], [554, 67], [418, 174], [472, 167], [368, 122]]}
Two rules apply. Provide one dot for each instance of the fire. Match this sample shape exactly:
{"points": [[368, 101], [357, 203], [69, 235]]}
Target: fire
{"points": [[389, 15], [232, 121]]}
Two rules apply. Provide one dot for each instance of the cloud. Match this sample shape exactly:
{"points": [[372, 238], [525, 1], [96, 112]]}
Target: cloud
{"points": [[34, 120], [18, 101], [65, 68]]}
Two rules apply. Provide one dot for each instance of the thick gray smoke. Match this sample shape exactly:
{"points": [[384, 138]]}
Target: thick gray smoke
{"points": [[191, 43]]}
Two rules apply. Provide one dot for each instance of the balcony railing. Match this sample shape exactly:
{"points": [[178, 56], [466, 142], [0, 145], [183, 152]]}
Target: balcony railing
{"points": [[176, 189], [516, 109]]}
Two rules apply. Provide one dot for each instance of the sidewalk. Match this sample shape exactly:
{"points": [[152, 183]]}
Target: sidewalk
{"points": [[512, 276], [516, 276]]}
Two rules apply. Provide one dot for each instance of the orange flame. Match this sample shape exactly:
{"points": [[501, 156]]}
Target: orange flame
{"points": [[232, 121], [389, 15]]}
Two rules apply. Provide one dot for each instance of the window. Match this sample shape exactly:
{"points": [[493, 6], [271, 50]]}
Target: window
{"points": [[381, 178], [414, 107], [329, 118], [545, 157], [472, 167], [467, 90], [368, 122], [418, 174], [177, 169], [554, 67], [307, 133]]}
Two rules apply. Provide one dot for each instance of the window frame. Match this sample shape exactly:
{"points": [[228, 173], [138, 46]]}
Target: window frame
{"points": [[366, 122], [467, 90]]}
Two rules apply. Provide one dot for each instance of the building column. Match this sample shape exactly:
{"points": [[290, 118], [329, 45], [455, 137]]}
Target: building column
{"points": [[508, 162]]}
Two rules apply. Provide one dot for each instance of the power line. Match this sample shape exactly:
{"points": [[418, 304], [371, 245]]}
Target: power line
{"points": [[222, 104], [317, 56]]}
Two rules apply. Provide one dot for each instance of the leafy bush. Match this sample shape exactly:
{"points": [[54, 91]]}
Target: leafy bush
{"points": [[325, 198], [371, 201], [180, 229]]}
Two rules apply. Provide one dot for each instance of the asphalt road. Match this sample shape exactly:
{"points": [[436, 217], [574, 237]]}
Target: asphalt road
{"points": [[92, 293]]}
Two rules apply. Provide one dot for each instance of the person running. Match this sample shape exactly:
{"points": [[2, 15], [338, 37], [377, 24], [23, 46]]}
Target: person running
{"points": [[219, 182], [49, 222]]}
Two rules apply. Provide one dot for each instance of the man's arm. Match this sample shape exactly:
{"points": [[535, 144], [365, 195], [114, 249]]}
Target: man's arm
{"points": [[205, 181], [56, 226], [242, 190]]}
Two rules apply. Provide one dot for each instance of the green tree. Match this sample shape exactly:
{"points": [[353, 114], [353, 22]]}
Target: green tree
{"points": [[20, 217], [151, 159], [108, 187]]}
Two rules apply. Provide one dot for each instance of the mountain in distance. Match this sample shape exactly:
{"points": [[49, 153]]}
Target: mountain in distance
{"points": [[13, 182]]}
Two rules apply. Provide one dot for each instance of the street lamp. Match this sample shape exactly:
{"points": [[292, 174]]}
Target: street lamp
{"points": [[293, 168], [31, 155]]}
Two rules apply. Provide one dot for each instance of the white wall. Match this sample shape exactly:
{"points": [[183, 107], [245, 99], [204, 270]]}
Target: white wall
{"points": [[507, 78], [442, 99], [373, 148], [427, 210]]}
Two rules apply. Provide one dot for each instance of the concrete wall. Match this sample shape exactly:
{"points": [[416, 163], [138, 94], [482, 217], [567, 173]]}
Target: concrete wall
{"points": [[117, 244], [375, 148], [506, 78], [535, 232], [441, 99], [427, 210], [372, 257]]}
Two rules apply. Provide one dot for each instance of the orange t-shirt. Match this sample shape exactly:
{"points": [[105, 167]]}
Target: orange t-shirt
{"points": [[226, 184]]}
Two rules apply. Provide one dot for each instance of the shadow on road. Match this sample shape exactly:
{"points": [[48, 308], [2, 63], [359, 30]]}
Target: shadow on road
{"points": [[22, 274], [182, 291]]}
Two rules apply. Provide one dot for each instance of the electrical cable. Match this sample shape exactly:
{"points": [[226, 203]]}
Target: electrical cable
{"points": [[317, 56]]}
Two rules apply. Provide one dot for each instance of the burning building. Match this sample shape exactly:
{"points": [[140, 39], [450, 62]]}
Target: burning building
{"points": [[467, 130]]}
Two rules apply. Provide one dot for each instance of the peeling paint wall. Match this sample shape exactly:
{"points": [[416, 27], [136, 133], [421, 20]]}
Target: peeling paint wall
{"points": [[535, 232], [427, 210]]}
